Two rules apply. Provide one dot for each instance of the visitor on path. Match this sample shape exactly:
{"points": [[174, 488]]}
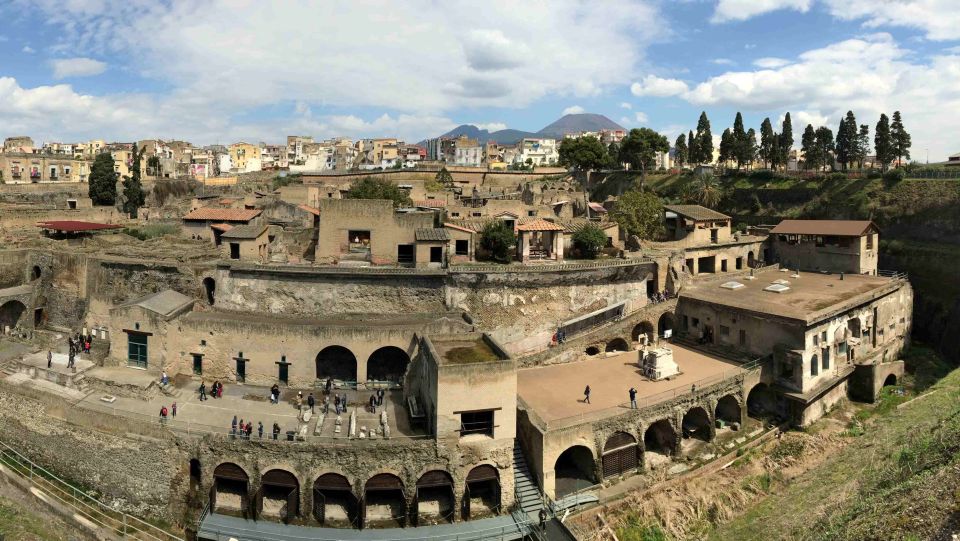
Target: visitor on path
{"points": [[173, 410], [164, 379], [543, 518], [373, 404], [49, 359], [233, 427], [343, 402], [329, 385], [311, 401], [260, 429], [299, 400], [326, 404], [380, 395], [70, 359], [243, 428], [203, 391], [276, 430], [249, 430], [336, 403], [219, 390], [275, 393], [633, 398], [586, 395], [163, 415]]}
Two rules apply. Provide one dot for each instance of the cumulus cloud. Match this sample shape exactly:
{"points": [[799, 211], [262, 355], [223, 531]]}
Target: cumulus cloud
{"points": [[625, 105], [651, 85], [939, 19], [770, 62], [491, 126], [76, 67], [28, 49], [573, 110], [741, 10], [641, 117], [723, 61]]}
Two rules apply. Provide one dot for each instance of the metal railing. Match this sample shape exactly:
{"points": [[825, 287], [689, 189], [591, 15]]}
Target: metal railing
{"points": [[548, 267], [86, 506], [897, 275]]}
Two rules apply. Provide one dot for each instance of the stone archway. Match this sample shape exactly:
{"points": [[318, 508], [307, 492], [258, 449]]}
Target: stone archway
{"points": [[435, 502], [336, 362], [334, 503], [210, 289], [592, 350], [890, 381], [482, 495], [11, 313], [231, 490], [660, 438], [665, 323], [388, 364], [279, 495], [728, 409], [574, 470], [384, 502], [696, 424], [760, 402], [643, 328], [620, 455], [617, 345]]}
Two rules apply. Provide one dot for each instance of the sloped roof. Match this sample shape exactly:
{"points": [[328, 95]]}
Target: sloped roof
{"points": [[74, 226], [696, 212], [222, 215], [431, 233], [312, 210], [597, 207], [841, 228], [221, 227], [539, 225], [576, 224], [245, 232], [459, 227], [430, 203], [165, 303]]}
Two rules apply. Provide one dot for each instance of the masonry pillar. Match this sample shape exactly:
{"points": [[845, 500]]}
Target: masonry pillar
{"points": [[677, 433], [558, 245]]}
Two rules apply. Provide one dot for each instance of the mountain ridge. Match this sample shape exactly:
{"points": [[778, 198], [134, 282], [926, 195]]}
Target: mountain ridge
{"points": [[571, 123]]}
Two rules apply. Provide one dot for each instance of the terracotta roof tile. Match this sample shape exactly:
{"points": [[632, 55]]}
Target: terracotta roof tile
{"points": [[842, 228], [539, 225], [222, 215], [696, 212]]}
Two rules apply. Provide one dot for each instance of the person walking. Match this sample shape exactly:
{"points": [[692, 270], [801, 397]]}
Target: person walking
{"points": [[173, 410], [203, 391], [275, 394], [336, 403], [163, 415], [276, 431], [260, 429], [380, 394], [49, 358], [299, 400], [326, 404], [233, 427], [633, 398], [373, 404], [249, 430], [586, 395], [311, 401], [543, 519]]}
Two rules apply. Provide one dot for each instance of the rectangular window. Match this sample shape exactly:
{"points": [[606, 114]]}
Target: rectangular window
{"points": [[234, 250], [724, 331], [463, 247], [816, 339], [696, 322], [197, 364], [823, 337], [477, 422], [405, 253], [814, 366], [825, 358], [137, 349], [870, 242], [531, 213], [436, 254], [743, 337]]}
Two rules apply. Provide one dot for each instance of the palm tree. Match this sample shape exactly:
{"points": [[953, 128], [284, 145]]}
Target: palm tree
{"points": [[707, 191]]}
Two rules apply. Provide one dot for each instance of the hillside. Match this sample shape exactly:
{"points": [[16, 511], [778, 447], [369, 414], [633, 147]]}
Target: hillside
{"points": [[574, 123]]}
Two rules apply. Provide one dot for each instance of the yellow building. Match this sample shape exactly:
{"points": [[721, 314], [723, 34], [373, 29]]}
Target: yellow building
{"points": [[244, 157]]}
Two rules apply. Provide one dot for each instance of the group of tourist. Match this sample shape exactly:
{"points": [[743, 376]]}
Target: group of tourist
{"points": [[216, 390], [166, 413], [376, 399], [244, 430], [659, 296], [76, 345]]}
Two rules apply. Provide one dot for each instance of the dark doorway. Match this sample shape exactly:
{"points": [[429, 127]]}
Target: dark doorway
{"points": [[707, 264], [436, 254], [36, 272], [890, 381], [482, 496], [643, 328], [751, 260], [279, 496], [617, 344], [195, 474], [10, 314], [574, 470], [665, 324], [234, 250], [38, 317], [197, 364], [210, 287], [660, 438], [387, 364], [434, 501], [620, 455], [334, 504], [696, 424], [241, 368], [283, 370], [728, 410], [760, 402], [405, 254], [384, 502], [137, 349], [229, 494], [336, 362], [592, 350]]}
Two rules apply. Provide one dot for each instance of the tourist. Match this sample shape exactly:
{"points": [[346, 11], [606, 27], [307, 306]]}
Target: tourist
{"points": [[336, 403], [214, 388], [203, 391], [275, 393], [173, 410], [326, 404], [311, 401], [561, 336], [164, 379], [693, 388], [249, 430], [380, 394], [373, 404], [633, 398], [242, 428], [260, 429], [329, 385], [543, 518], [343, 402], [299, 400], [276, 431], [70, 359], [219, 390], [49, 359], [163, 414], [586, 395], [233, 427]]}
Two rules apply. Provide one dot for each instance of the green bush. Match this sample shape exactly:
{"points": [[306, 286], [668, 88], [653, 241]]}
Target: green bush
{"points": [[636, 529], [763, 175], [873, 175], [837, 176], [151, 231], [497, 241], [589, 240], [379, 188], [894, 175]]}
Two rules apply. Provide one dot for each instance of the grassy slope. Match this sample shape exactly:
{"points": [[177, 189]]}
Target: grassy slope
{"points": [[899, 480]]}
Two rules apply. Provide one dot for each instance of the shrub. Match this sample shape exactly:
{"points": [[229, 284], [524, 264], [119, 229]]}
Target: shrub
{"points": [[589, 240], [379, 188], [762, 175], [497, 241], [894, 175], [837, 176], [150, 231], [873, 175]]}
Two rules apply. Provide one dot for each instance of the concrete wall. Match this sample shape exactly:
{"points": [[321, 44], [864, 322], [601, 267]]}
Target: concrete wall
{"points": [[387, 228]]}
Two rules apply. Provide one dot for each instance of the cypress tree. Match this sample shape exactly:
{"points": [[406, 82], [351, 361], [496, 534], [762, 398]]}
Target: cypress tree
{"points": [[883, 143], [739, 141], [808, 146], [680, 150], [825, 145], [863, 144], [843, 144], [727, 147], [786, 140], [748, 148], [704, 139], [900, 138], [693, 154], [132, 188], [767, 138]]}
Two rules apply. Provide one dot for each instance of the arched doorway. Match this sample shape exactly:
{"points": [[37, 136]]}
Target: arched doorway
{"points": [[334, 504], [642, 328], [195, 474], [482, 496], [336, 362], [751, 260], [434, 501], [36, 272], [10, 314], [230, 491], [696, 424], [384, 502], [617, 344], [210, 288], [279, 495], [388, 363], [760, 402], [660, 438], [728, 409], [574, 470], [890, 381], [854, 325], [665, 323], [620, 455], [592, 350]]}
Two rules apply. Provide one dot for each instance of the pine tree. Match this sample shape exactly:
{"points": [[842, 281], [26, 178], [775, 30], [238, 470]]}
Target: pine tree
{"points": [[786, 140], [808, 146], [767, 138], [850, 138], [727, 147], [704, 140], [680, 150], [748, 147], [900, 139], [883, 143], [693, 153], [863, 144], [843, 144]]}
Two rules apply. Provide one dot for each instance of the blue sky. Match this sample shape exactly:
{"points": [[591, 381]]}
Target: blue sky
{"points": [[213, 71]]}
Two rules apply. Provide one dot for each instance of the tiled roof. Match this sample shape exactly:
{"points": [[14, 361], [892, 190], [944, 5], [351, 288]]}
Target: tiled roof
{"points": [[245, 232], [539, 224], [221, 227], [222, 215], [312, 210], [842, 228], [430, 203], [696, 212], [459, 227], [431, 234], [576, 224], [73, 226]]}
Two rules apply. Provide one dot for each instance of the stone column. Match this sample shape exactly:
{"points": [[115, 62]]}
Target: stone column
{"points": [[558, 244]]}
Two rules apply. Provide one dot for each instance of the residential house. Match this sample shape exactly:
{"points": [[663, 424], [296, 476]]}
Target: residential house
{"points": [[245, 158], [848, 246], [18, 145], [210, 223], [538, 151], [247, 242]]}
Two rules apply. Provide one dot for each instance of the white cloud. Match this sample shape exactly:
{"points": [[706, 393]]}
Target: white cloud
{"points": [[723, 61], [76, 67], [573, 110], [658, 87], [641, 117], [28, 49], [939, 19], [868, 75], [625, 105], [769, 62], [741, 10], [491, 126], [800, 119]]}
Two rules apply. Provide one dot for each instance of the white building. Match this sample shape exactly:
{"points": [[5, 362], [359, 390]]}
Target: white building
{"points": [[538, 151], [469, 156]]}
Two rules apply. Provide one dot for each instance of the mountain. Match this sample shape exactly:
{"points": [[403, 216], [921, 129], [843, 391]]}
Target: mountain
{"points": [[578, 123], [556, 130]]}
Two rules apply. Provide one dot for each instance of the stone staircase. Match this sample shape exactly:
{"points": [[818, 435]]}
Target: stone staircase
{"points": [[529, 498]]}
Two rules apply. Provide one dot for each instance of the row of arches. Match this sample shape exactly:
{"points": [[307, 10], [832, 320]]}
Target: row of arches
{"points": [[644, 328], [382, 502], [576, 468], [388, 363]]}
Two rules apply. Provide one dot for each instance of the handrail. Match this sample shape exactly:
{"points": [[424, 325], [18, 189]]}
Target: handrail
{"points": [[88, 507]]}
